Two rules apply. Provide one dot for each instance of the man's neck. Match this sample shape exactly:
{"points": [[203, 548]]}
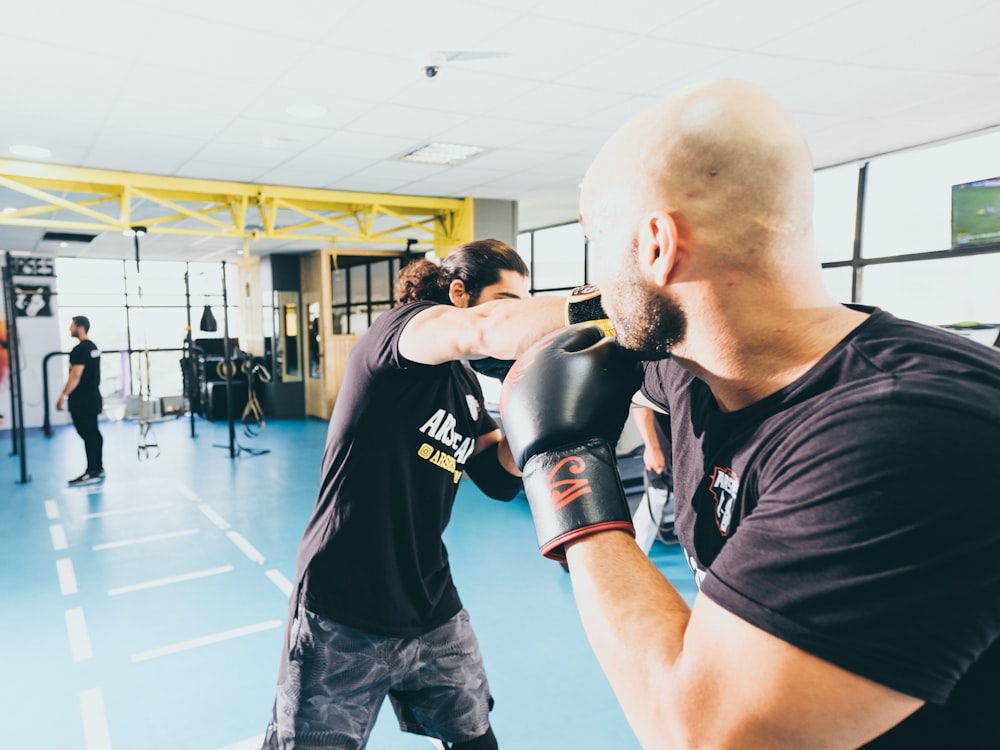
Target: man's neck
{"points": [[749, 362]]}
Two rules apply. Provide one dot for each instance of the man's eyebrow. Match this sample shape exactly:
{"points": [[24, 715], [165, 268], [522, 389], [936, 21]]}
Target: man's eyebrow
{"points": [[508, 295]]}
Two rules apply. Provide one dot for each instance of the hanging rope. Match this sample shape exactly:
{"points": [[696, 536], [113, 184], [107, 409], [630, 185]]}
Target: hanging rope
{"points": [[147, 446], [253, 415]]}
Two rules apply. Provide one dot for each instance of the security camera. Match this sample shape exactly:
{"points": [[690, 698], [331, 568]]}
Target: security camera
{"points": [[431, 62]]}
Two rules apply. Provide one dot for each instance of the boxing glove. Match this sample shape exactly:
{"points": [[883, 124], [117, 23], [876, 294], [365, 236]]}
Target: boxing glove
{"points": [[584, 304], [563, 406]]}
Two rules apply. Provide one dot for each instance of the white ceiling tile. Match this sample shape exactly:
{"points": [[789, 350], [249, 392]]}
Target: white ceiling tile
{"points": [[299, 19], [216, 170], [164, 119], [411, 27], [635, 16], [246, 131], [406, 122], [644, 65], [461, 88], [543, 49], [563, 105], [491, 132], [352, 73], [401, 171], [741, 27], [272, 105], [260, 157], [511, 159], [364, 145]]}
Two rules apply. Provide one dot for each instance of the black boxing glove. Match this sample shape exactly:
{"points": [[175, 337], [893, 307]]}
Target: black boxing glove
{"points": [[563, 406], [584, 304]]}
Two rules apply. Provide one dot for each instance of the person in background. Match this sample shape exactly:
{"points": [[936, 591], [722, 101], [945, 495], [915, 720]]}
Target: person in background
{"points": [[82, 393], [654, 518]]}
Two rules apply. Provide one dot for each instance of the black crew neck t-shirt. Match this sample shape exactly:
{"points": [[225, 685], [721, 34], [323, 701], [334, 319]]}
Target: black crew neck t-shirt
{"points": [[372, 556], [86, 397], [855, 514]]}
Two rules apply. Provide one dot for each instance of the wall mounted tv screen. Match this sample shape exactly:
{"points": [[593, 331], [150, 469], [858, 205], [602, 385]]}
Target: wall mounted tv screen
{"points": [[975, 213]]}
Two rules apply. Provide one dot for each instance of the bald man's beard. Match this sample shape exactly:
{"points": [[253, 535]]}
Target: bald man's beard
{"points": [[645, 321]]}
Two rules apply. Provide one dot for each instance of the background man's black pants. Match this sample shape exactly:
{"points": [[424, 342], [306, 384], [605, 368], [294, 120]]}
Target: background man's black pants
{"points": [[85, 423]]}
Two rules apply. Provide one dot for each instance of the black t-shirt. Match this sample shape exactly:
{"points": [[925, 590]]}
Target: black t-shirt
{"points": [[372, 556], [856, 515], [86, 396]]}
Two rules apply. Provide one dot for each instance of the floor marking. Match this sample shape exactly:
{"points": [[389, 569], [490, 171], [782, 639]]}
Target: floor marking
{"points": [[206, 640], [51, 510], [82, 491], [171, 579], [58, 534], [245, 547], [95, 721], [144, 539], [188, 493], [280, 581], [250, 743], [213, 516], [123, 511], [79, 639], [67, 576]]}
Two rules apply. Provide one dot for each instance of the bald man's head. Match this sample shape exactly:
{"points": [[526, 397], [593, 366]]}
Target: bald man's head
{"points": [[725, 160]]}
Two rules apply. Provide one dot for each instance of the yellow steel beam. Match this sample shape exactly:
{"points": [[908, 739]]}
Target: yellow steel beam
{"points": [[170, 205]]}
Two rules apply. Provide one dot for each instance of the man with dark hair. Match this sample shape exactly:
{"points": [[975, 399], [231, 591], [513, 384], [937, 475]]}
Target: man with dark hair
{"points": [[375, 612], [831, 462], [83, 393]]}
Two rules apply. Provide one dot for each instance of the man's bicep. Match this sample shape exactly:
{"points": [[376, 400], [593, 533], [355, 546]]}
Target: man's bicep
{"points": [[751, 689], [75, 372]]}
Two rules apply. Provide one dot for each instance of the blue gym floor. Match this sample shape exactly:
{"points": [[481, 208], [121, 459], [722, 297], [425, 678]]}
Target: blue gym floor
{"points": [[147, 613]]}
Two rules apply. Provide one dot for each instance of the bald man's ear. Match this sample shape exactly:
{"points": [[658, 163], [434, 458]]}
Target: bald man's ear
{"points": [[658, 247]]}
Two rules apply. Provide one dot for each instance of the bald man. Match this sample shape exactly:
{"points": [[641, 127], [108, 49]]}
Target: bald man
{"points": [[830, 461]]}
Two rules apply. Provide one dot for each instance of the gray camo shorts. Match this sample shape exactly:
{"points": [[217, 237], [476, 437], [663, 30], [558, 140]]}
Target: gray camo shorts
{"points": [[337, 678]]}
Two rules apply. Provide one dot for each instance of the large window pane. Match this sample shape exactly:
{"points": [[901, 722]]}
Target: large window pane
{"points": [[102, 281], [359, 285], [381, 280], [339, 286], [107, 326], [937, 292], [161, 282], [836, 191], [838, 282], [161, 327], [558, 257], [908, 203]]}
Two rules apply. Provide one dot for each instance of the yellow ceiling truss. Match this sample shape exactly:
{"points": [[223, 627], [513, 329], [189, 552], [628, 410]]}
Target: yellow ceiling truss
{"points": [[73, 198]]}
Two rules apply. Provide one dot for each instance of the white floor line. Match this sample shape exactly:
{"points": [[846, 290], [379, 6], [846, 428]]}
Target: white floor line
{"points": [[95, 721], [280, 581], [144, 539], [245, 547], [188, 493], [87, 490], [67, 576], [212, 516], [170, 580], [58, 534], [51, 510], [250, 743], [206, 640], [79, 638], [123, 511]]}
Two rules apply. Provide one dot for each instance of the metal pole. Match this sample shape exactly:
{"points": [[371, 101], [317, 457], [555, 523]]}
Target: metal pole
{"points": [[9, 313], [228, 364], [15, 355], [190, 347]]}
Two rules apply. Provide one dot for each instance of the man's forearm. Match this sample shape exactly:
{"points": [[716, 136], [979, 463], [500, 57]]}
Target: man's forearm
{"points": [[505, 330], [70, 386], [635, 621]]}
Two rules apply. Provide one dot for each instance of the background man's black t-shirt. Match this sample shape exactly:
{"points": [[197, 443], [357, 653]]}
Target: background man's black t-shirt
{"points": [[86, 397], [372, 556], [856, 515]]}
